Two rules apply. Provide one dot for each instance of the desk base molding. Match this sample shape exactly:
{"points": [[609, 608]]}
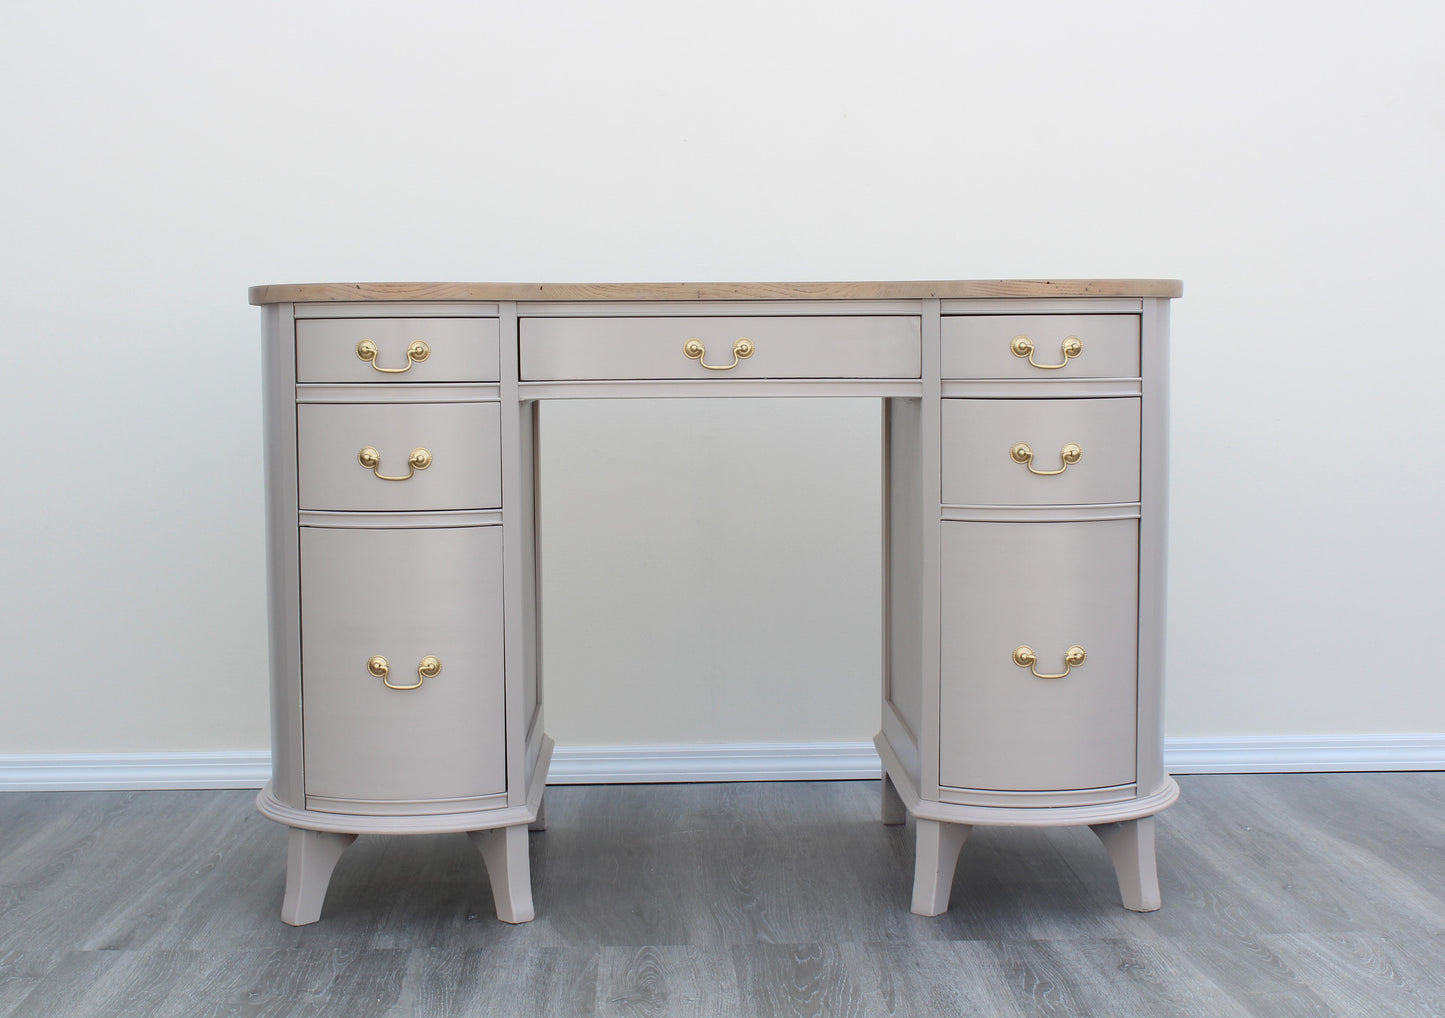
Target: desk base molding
{"points": [[1023, 816], [447, 823]]}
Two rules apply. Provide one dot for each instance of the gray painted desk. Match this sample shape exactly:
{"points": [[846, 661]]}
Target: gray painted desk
{"points": [[1025, 467]]}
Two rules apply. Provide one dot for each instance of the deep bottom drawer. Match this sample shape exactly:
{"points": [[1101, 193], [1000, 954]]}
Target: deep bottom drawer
{"points": [[405, 596], [1047, 587]]}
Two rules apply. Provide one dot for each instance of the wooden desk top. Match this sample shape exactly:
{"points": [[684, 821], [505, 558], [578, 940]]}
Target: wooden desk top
{"points": [[960, 288]]}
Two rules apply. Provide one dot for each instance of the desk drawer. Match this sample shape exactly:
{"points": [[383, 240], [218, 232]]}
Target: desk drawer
{"points": [[1048, 587], [983, 464], [1033, 346], [459, 443], [404, 596], [561, 349], [451, 350]]}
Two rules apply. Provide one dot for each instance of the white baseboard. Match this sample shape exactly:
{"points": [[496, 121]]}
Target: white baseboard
{"points": [[765, 761], [1268, 754], [829, 761], [75, 772]]}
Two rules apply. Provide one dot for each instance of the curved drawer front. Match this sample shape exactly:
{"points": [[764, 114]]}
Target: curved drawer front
{"points": [[562, 349], [1050, 587], [455, 350], [462, 442], [983, 346], [404, 595], [983, 466]]}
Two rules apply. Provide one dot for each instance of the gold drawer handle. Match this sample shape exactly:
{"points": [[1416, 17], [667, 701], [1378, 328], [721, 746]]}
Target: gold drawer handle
{"points": [[1025, 657], [694, 349], [428, 668], [415, 354], [1022, 346], [419, 459], [1022, 452]]}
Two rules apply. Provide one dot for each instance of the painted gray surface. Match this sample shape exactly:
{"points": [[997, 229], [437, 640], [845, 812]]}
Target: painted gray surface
{"points": [[786, 347], [1050, 586], [977, 346], [768, 899], [283, 600], [904, 560], [948, 725], [1153, 538], [521, 602], [462, 349], [978, 434], [463, 438], [402, 594]]}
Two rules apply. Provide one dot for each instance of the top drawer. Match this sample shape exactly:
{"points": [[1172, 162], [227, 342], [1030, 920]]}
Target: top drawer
{"points": [[397, 350], [562, 349], [1041, 346]]}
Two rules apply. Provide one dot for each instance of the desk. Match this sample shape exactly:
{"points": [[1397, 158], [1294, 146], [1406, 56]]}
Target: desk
{"points": [[1025, 457]]}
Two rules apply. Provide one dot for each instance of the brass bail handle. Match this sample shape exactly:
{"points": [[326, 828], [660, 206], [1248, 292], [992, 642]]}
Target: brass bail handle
{"points": [[1071, 347], [1025, 657], [416, 352], [742, 349], [1022, 452], [428, 668], [419, 459]]}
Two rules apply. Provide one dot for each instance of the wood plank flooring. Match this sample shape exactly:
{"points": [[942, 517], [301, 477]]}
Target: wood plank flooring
{"points": [[1307, 894]]}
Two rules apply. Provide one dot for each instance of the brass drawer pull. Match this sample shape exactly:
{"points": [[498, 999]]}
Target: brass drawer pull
{"points": [[417, 352], [1025, 657], [419, 459], [1022, 346], [429, 668], [742, 349], [1022, 452]]}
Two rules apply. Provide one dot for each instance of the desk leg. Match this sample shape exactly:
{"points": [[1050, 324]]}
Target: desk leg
{"points": [[310, 858], [504, 850], [934, 861], [893, 810], [1131, 849]]}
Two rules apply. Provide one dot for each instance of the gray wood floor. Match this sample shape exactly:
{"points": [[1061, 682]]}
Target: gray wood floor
{"points": [[1283, 895]]}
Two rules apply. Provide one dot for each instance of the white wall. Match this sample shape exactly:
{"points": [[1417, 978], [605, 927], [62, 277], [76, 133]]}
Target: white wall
{"points": [[1284, 160]]}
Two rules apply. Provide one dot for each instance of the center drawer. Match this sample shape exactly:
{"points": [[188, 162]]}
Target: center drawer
{"points": [[874, 346], [414, 457]]}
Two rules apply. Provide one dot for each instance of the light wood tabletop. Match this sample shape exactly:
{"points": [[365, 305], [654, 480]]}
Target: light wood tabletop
{"points": [[285, 293]]}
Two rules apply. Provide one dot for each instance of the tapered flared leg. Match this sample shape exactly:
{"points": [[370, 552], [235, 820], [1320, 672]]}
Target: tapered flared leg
{"points": [[310, 858], [504, 850], [934, 862], [1131, 849], [894, 812]]}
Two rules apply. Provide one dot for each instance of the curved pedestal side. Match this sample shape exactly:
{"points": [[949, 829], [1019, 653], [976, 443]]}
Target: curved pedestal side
{"points": [[1126, 829], [316, 841]]}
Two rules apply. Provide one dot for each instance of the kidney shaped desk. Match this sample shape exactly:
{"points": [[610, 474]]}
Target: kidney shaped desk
{"points": [[1025, 469]]}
